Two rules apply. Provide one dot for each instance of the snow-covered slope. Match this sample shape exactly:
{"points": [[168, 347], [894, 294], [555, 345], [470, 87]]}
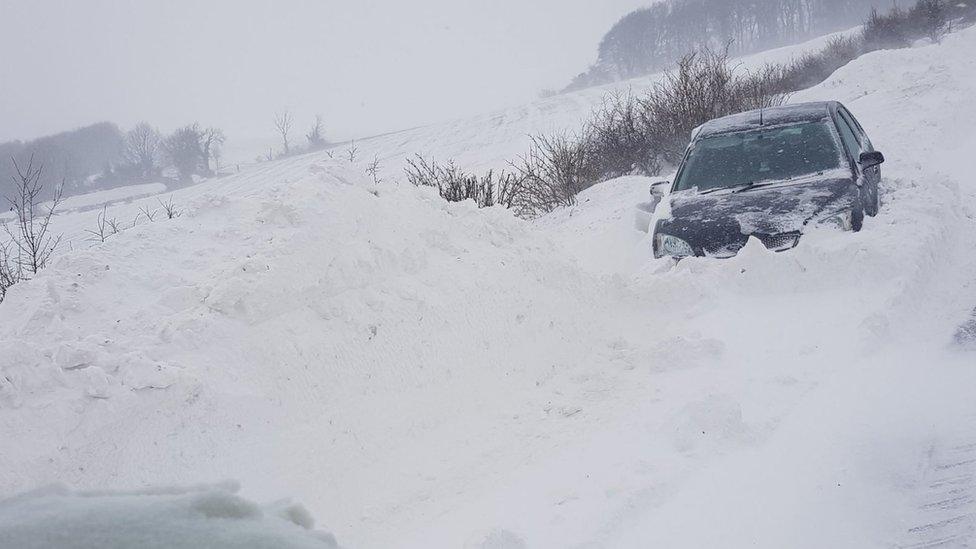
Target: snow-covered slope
{"points": [[425, 374]]}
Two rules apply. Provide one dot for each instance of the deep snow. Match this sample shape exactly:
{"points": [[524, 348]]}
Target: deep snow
{"points": [[425, 374]]}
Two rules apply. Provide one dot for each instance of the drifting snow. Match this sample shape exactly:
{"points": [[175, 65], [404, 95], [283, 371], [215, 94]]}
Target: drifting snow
{"points": [[425, 374], [163, 518]]}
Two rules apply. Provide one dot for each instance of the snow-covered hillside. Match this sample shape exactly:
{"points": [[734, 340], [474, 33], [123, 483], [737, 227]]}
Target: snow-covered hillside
{"points": [[425, 374]]}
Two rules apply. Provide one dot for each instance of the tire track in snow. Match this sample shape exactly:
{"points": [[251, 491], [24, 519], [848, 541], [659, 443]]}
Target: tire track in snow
{"points": [[946, 503]]}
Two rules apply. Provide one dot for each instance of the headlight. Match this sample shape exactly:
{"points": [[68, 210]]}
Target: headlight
{"points": [[840, 220], [666, 245]]}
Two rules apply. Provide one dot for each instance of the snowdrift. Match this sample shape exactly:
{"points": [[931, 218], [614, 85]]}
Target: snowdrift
{"points": [[425, 374]]}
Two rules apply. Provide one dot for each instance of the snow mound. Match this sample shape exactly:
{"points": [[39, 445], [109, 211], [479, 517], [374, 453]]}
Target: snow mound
{"points": [[215, 517]]}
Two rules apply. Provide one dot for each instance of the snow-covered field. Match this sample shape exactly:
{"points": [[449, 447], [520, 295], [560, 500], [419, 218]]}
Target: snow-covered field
{"points": [[425, 374]]}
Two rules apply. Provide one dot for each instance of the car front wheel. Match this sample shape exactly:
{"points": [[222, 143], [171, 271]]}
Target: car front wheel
{"points": [[857, 216], [872, 202]]}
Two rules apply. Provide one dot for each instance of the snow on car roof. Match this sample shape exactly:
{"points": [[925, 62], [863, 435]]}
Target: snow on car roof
{"points": [[772, 116]]}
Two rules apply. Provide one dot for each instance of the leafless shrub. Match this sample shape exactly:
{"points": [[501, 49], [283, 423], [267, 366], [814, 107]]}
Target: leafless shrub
{"points": [[114, 226], [30, 242], [150, 214], [897, 28], [315, 136], [621, 138], [555, 168], [813, 68], [456, 185], [351, 152], [101, 230], [169, 209], [9, 274], [373, 170]]}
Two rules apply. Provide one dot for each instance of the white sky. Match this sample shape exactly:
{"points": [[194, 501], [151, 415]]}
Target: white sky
{"points": [[367, 66]]}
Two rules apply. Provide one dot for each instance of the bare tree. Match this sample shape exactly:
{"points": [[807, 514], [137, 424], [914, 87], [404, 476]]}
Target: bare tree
{"points": [[31, 243], [283, 122], [352, 151], [315, 137], [141, 149], [211, 141]]}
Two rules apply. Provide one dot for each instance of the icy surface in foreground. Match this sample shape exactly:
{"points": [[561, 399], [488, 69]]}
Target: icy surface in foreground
{"points": [[423, 374]]}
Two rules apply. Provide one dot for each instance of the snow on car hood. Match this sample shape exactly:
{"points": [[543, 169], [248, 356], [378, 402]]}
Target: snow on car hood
{"points": [[726, 218]]}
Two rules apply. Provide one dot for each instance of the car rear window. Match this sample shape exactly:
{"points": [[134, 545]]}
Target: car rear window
{"points": [[767, 154]]}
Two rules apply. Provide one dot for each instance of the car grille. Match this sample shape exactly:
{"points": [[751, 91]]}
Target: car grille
{"points": [[776, 242], [779, 242]]}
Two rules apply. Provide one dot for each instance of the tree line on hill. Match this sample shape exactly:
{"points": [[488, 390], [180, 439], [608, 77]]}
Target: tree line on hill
{"points": [[652, 38]]}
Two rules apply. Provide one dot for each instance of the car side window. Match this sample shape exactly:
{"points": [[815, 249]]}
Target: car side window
{"points": [[862, 137], [849, 137]]}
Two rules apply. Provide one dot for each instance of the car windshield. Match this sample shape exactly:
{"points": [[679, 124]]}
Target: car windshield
{"points": [[767, 154]]}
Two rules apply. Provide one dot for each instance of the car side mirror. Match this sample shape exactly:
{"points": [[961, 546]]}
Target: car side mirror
{"points": [[871, 159], [660, 188]]}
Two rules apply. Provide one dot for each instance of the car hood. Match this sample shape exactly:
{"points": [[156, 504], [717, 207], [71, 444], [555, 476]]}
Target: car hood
{"points": [[720, 223]]}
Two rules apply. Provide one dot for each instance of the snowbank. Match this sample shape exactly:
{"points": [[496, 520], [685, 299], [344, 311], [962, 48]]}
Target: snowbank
{"points": [[158, 518], [426, 374]]}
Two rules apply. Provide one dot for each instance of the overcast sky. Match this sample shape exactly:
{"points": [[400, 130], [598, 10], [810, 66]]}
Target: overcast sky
{"points": [[367, 66]]}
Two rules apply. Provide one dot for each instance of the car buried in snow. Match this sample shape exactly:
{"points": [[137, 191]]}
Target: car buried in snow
{"points": [[768, 174]]}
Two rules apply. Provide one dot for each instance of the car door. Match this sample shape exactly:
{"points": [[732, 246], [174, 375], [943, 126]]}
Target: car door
{"points": [[873, 175], [857, 142]]}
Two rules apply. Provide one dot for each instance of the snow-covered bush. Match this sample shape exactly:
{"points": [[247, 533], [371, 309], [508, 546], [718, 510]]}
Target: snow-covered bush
{"points": [[899, 28], [456, 185]]}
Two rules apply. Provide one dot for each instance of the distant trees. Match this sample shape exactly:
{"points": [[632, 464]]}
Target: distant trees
{"points": [[69, 158], [652, 38], [191, 148], [141, 149]]}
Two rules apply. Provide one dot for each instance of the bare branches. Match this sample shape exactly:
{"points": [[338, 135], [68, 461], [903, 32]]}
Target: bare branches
{"points": [[351, 152], [373, 170], [455, 185], [170, 209], [552, 172], [150, 214], [141, 149], [30, 239], [315, 136], [211, 140], [9, 273], [100, 233], [283, 122]]}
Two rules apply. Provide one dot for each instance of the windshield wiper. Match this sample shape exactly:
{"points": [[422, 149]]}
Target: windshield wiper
{"points": [[754, 185], [734, 188]]}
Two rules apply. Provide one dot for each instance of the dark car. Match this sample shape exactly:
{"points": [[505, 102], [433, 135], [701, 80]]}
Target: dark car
{"points": [[769, 173]]}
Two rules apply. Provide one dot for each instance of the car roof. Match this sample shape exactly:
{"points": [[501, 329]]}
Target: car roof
{"points": [[771, 116]]}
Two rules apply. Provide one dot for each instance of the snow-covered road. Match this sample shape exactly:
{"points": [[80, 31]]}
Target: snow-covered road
{"points": [[425, 374]]}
